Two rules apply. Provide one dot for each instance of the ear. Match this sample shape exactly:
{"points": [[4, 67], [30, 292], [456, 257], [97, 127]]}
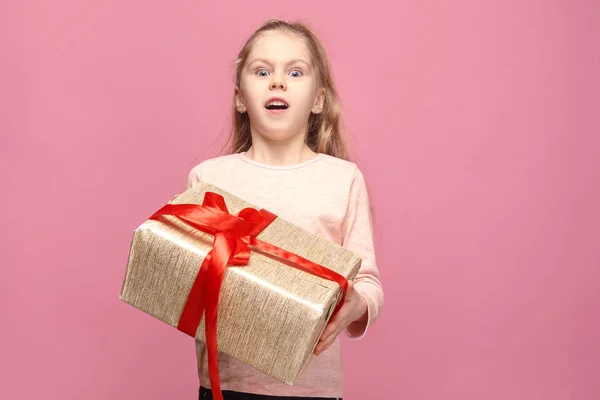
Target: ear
{"points": [[239, 100], [319, 102]]}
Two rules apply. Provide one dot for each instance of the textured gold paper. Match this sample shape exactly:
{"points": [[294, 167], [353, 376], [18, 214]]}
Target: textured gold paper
{"points": [[271, 315]]}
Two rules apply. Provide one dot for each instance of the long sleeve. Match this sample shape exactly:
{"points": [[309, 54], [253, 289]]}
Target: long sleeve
{"points": [[194, 176], [357, 234]]}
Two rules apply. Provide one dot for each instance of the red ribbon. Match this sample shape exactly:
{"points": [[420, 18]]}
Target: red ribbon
{"points": [[233, 236]]}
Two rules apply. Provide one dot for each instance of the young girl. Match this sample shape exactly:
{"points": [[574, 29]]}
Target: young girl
{"points": [[288, 156]]}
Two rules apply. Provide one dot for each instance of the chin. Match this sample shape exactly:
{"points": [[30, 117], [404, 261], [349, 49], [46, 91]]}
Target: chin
{"points": [[277, 136], [278, 133]]}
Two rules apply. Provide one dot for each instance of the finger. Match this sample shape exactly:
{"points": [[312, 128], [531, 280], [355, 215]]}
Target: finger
{"points": [[331, 328], [333, 324], [328, 341], [350, 289], [324, 345], [330, 333]]}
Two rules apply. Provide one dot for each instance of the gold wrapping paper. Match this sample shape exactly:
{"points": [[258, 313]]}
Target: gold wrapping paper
{"points": [[271, 315]]}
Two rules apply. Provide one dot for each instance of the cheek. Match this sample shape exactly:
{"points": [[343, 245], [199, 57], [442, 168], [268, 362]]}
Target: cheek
{"points": [[307, 98], [249, 95]]}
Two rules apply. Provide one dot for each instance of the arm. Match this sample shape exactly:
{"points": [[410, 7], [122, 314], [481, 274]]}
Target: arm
{"points": [[358, 237], [364, 298]]}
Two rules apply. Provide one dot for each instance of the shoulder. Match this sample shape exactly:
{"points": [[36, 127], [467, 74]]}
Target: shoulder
{"points": [[339, 166], [342, 170], [207, 166]]}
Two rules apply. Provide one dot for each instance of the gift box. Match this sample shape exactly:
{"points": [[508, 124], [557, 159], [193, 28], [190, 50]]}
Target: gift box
{"points": [[266, 287]]}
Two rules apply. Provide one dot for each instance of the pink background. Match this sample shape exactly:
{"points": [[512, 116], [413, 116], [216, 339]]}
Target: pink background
{"points": [[476, 124]]}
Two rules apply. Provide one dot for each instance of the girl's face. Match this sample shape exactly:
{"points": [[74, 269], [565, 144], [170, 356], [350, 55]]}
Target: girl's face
{"points": [[279, 87]]}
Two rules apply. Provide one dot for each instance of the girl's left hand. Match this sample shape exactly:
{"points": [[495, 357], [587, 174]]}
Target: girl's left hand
{"points": [[354, 309]]}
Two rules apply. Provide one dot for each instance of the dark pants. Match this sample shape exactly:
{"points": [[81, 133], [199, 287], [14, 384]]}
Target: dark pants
{"points": [[206, 394]]}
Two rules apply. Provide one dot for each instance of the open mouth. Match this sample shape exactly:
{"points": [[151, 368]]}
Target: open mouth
{"points": [[276, 104]]}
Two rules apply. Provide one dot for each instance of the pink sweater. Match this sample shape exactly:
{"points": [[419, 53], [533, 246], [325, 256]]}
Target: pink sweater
{"points": [[326, 196]]}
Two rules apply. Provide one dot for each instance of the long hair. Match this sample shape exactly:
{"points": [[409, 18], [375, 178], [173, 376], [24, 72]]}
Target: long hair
{"points": [[325, 133]]}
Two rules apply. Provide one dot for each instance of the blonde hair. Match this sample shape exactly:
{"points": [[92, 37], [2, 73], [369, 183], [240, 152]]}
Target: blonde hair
{"points": [[325, 134]]}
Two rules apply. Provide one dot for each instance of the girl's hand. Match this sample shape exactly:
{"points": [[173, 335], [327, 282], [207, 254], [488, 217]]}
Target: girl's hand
{"points": [[354, 309]]}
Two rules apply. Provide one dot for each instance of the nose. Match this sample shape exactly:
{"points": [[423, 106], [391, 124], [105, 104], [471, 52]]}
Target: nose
{"points": [[278, 83]]}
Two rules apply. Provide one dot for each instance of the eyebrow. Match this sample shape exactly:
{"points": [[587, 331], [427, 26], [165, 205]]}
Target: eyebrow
{"points": [[294, 61]]}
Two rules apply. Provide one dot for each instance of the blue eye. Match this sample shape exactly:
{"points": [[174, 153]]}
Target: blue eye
{"points": [[262, 72], [295, 73]]}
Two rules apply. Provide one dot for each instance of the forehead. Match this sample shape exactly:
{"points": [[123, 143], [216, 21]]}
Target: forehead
{"points": [[279, 47]]}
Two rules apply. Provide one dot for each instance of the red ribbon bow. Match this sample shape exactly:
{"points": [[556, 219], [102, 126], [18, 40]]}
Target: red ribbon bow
{"points": [[233, 236]]}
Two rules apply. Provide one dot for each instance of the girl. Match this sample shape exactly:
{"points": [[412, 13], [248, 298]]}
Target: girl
{"points": [[287, 155]]}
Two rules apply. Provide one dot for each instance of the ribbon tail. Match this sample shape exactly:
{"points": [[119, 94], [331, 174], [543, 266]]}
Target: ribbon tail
{"points": [[223, 249], [196, 302]]}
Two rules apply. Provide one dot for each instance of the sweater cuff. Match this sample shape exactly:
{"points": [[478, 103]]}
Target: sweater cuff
{"points": [[358, 329]]}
